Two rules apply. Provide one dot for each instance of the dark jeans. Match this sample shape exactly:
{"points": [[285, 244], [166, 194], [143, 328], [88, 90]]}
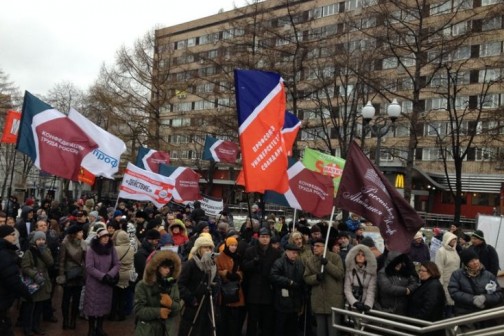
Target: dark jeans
{"points": [[232, 320], [32, 314], [261, 319], [118, 302], [286, 323], [5, 324], [70, 300]]}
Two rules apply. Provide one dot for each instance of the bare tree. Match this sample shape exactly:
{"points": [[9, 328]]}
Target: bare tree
{"points": [[65, 95]]}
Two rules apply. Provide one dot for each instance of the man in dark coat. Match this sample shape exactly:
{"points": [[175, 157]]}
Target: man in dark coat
{"points": [[257, 264], [198, 214], [149, 244], [287, 278], [11, 286], [25, 224], [486, 253]]}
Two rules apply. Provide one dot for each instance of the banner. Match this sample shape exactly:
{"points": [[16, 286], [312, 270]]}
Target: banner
{"points": [[143, 185], [150, 159], [220, 150], [186, 182], [324, 164], [85, 176], [260, 101], [211, 205], [366, 191], [11, 127], [308, 191], [54, 142], [290, 130], [104, 160]]}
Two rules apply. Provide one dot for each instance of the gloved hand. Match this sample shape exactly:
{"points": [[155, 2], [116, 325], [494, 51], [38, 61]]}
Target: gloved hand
{"points": [[107, 279], [232, 276], [39, 279], [367, 308], [166, 300], [164, 312], [320, 277], [323, 261], [359, 306], [479, 301]]}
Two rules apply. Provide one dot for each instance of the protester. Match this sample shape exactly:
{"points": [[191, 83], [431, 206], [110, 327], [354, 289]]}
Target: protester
{"points": [[157, 298], [447, 261], [486, 253], [125, 253], [102, 268], [11, 286], [25, 224], [178, 231], [360, 278], [419, 251], [149, 244]]}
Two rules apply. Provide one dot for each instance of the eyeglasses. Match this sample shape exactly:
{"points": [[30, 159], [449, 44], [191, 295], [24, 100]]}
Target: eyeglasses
{"points": [[422, 270], [12, 234]]}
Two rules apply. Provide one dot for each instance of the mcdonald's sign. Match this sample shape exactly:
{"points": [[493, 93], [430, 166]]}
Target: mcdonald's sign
{"points": [[399, 181]]}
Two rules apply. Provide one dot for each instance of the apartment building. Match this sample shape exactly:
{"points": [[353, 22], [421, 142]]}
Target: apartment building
{"points": [[441, 60]]}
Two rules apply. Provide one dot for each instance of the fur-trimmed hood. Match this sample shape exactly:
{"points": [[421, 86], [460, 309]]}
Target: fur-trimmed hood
{"points": [[180, 224], [394, 258], [150, 276], [371, 264]]}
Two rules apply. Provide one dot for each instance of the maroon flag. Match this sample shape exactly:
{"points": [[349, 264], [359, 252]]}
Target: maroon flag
{"points": [[364, 190]]}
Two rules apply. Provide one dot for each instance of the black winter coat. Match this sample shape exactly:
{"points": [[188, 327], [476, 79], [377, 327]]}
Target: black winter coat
{"points": [[258, 288], [427, 301], [11, 286], [140, 258], [287, 275], [488, 257]]}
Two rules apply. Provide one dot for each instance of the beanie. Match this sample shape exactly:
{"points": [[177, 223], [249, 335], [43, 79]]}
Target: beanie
{"points": [[6, 230], [118, 213], [231, 241], [152, 234], [102, 232], [204, 239], [74, 229], [36, 235], [166, 239], [368, 241], [478, 234], [467, 255], [315, 228], [418, 235]]}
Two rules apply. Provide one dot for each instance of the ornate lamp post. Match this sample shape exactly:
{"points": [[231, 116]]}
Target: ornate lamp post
{"points": [[381, 125]]}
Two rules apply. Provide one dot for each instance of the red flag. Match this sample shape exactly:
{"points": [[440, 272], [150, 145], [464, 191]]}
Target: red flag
{"points": [[11, 127], [366, 191], [85, 176], [260, 101]]}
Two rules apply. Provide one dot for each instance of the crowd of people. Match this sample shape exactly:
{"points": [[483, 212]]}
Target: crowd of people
{"points": [[180, 272]]}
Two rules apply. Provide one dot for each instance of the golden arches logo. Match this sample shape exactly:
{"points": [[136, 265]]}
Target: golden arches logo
{"points": [[399, 181]]}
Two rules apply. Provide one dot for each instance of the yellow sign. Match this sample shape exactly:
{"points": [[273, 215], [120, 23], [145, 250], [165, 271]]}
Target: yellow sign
{"points": [[399, 181]]}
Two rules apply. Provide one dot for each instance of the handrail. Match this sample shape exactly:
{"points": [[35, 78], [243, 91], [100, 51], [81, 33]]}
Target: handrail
{"points": [[384, 319]]}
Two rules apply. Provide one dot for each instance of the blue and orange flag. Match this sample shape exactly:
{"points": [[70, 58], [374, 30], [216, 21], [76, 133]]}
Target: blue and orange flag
{"points": [[290, 130], [260, 100]]}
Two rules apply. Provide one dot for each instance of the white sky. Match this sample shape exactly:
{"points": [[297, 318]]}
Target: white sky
{"points": [[43, 43]]}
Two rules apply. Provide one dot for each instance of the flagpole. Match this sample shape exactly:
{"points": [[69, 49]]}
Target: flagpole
{"points": [[12, 171], [294, 220], [327, 238], [249, 210]]}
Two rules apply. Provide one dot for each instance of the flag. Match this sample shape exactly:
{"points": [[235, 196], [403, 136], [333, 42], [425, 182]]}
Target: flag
{"points": [[366, 191], [308, 191], [220, 150], [55, 143], [260, 101], [186, 182], [324, 164], [290, 130], [150, 159], [211, 205], [85, 176], [142, 185], [11, 127], [104, 160]]}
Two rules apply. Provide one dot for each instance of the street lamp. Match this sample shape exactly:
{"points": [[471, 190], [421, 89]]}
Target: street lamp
{"points": [[381, 126]]}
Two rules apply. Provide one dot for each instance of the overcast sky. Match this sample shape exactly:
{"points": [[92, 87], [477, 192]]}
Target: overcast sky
{"points": [[43, 43]]}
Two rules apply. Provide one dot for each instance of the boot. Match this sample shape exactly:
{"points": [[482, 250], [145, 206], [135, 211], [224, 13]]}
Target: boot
{"points": [[73, 318], [92, 326], [99, 327], [66, 322]]}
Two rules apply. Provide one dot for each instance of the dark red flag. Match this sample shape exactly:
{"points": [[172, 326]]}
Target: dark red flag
{"points": [[366, 191]]}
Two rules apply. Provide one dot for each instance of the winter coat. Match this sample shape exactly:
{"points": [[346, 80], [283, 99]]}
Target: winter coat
{"points": [[72, 255], [392, 284], [427, 301], [140, 257], [21, 226], [287, 275], [226, 264], [463, 288], [181, 238], [419, 252], [329, 292], [11, 286], [125, 253], [488, 257], [366, 274], [258, 288], [100, 260], [447, 261], [36, 261], [147, 297]]}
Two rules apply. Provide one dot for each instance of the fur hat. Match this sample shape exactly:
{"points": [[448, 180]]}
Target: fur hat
{"points": [[158, 258], [467, 255], [102, 232], [478, 234], [5, 230], [74, 228], [36, 235]]}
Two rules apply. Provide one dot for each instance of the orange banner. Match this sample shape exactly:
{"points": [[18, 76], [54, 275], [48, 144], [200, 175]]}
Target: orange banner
{"points": [[11, 127]]}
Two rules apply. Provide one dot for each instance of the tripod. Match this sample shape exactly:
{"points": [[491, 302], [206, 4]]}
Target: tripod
{"points": [[208, 295]]}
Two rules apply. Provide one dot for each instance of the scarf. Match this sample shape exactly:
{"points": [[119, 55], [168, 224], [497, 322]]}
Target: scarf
{"points": [[473, 273], [206, 264]]}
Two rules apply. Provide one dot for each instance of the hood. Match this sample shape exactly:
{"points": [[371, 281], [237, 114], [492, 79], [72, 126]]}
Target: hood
{"points": [[394, 258], [447, 237], [150, 276], [122, 238], [180, 224], [371, 265], [25, 210]]}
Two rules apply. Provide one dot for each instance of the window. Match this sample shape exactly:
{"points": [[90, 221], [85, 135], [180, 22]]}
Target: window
{"points": [[461, 102], [485, 154], [489, 2], [180, 122], [490, 101], [459, 28], [212, 54], [462, 53], [191, 42], [330, 10], [437, 128], [402, 130], [406, 106], [436, 104], [389, 63], [352, 5], [492, 23], [489, 75], [182, 107], [431, 154], [485, 199], [440, 8], [490, 49], [181, 44]]}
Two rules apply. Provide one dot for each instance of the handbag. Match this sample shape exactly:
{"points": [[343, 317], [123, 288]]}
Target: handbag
{"points": [[230, 292], [30, 283], [74, 272]]}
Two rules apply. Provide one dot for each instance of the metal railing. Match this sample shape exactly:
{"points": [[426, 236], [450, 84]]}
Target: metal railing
{"points": [[392, 324]]}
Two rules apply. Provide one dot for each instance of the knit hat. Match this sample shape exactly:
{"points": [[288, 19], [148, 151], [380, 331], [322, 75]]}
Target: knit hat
{"points": [[315, 228], [418, 235], [292, 247], [467, 255], [118, 213], [74, 229], [152, 234], [5, 230], [166, 239], [63, 220], [204, 239], [102, 232], [264, 231], [36, 235], [368, 241], [231, 241], [94, 214], [478, 234], [436, 231]]}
